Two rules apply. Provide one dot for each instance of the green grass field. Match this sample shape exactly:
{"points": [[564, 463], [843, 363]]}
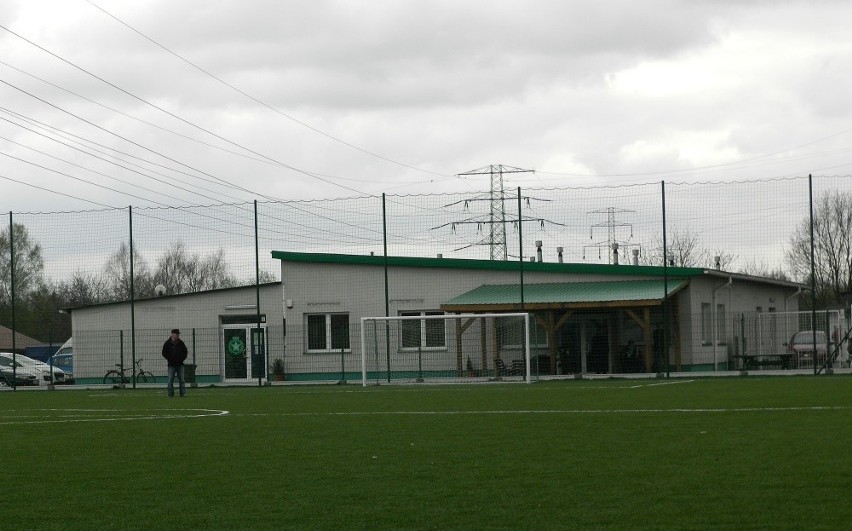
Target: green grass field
{"points": [[743, 453]]}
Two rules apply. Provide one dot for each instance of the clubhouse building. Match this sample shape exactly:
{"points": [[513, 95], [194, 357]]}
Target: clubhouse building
{"points": [[585, 319]]}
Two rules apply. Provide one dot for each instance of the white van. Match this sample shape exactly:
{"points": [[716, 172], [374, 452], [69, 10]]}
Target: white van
{"points": [[64, 360]]}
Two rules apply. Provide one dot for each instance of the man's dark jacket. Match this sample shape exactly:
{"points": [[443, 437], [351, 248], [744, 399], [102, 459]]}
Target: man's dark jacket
{"points": [[175, 352]]}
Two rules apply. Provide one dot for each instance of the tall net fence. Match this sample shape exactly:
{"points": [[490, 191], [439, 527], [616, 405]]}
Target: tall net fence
{"points": [[215, 272]]}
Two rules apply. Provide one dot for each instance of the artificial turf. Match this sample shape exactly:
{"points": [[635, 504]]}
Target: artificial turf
{"points": [[745, 453]]}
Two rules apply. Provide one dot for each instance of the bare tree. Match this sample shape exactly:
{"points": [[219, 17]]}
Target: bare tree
{"points": [[267, 277], [183, 272], [761, 269], [117, 275], [214, 272], [684, 250], [83, 289], [832, 235]]}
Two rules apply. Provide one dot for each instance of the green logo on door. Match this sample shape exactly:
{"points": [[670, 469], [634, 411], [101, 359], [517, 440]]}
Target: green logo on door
{"points": [[236, 346]]}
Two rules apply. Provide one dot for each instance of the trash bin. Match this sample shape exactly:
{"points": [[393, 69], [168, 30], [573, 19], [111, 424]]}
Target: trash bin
{"points": [[189, 373]]}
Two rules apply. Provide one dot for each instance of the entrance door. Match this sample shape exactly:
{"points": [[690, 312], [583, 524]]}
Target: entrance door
{"points": [[584, 345], [244, 348], [596, 359]]}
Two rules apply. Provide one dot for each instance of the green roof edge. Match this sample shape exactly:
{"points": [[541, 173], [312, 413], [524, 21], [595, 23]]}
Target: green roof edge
{"points": [[492, 265]]}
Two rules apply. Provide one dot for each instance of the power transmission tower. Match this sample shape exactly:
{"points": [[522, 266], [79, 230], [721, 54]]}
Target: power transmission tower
{"points": [[612, 243], [497, 207]]}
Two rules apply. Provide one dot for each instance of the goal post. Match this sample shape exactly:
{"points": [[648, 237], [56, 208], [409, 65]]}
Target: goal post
{"points": [[451, 348]]}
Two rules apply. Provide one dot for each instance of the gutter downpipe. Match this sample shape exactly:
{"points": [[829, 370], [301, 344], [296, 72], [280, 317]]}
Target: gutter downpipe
{"points": [[716, 323], [787, 298]]}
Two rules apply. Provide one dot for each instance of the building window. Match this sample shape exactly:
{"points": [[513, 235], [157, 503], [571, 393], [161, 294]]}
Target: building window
{"points": [[721, 325], [328, 332], [510, 332], [423, 333], [706, 324]]}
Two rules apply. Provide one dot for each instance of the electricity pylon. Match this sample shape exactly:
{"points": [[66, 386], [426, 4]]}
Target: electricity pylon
{"points": [[497, 207], [611, 243]]}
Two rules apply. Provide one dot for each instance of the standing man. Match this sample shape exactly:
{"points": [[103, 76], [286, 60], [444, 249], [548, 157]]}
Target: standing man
{"points": [[175, 352]]}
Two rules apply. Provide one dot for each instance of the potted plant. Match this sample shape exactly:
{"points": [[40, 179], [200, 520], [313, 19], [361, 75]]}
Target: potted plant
{"points": [[278, 370]]}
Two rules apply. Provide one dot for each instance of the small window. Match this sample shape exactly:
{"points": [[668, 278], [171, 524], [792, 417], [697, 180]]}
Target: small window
{"points": [[721, 321], [328, 332]]}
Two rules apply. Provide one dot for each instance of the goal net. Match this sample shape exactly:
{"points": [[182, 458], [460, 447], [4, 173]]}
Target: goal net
{"points": [[445, 348]]}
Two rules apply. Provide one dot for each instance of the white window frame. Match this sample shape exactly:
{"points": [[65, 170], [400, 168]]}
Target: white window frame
{"points": [[328, 333], [423, 330]]}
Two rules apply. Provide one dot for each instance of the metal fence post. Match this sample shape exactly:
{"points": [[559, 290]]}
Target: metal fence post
{"points": [[261, 344], [132, 305], [521, 246], [813, 270], [387, 288], [664, 351], [121, 358], [12, 293]]}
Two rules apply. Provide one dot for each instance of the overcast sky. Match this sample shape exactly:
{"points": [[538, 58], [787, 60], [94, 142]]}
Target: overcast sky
{"points": [[322, 99]]}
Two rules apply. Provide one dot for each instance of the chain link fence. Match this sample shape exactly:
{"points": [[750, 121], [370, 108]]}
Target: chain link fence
{"points": [[119, 279]]}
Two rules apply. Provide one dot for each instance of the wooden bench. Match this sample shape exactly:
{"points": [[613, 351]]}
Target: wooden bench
{"points": [[756, 361]]}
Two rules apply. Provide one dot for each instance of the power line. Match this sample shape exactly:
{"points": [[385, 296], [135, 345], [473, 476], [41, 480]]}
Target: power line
{"points": [[87, 142], [258, 101], [128, 140], [165, 129], [31, 185], [173, 115], [114, 163]]}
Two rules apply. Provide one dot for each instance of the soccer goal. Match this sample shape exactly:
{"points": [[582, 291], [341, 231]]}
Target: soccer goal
{"points": [[445, 348]]}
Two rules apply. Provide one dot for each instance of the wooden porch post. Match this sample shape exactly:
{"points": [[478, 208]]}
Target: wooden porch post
{"points": [[676, 333], [649, 341]]}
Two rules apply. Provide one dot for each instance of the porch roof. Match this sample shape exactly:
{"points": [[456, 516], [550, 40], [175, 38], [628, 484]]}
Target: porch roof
{"points": [[604, 294]]}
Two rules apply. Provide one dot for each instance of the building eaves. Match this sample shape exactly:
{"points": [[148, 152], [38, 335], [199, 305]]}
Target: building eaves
{"points": [[486, 265], [167, 297]]}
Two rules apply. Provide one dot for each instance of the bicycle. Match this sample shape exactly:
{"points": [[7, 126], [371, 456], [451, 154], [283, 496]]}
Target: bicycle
{"points": [[120, 376]]}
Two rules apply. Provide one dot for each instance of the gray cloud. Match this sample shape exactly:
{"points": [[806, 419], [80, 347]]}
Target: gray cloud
{"points": [[577, 87]]}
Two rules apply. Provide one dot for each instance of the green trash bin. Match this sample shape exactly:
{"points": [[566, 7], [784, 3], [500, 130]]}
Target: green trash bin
{"points": [[189, 373]]}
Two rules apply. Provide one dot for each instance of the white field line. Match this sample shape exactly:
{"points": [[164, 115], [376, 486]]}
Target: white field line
{"points": [[549, 411], [105, 415], [513, 386]]}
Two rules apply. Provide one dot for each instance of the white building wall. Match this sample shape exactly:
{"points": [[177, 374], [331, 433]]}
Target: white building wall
{"points": [[102, 333], [740, 296]]}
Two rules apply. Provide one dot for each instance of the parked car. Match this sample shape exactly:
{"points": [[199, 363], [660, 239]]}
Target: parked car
{"points": [[16, 373], [803, 349], [39, 368]]}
